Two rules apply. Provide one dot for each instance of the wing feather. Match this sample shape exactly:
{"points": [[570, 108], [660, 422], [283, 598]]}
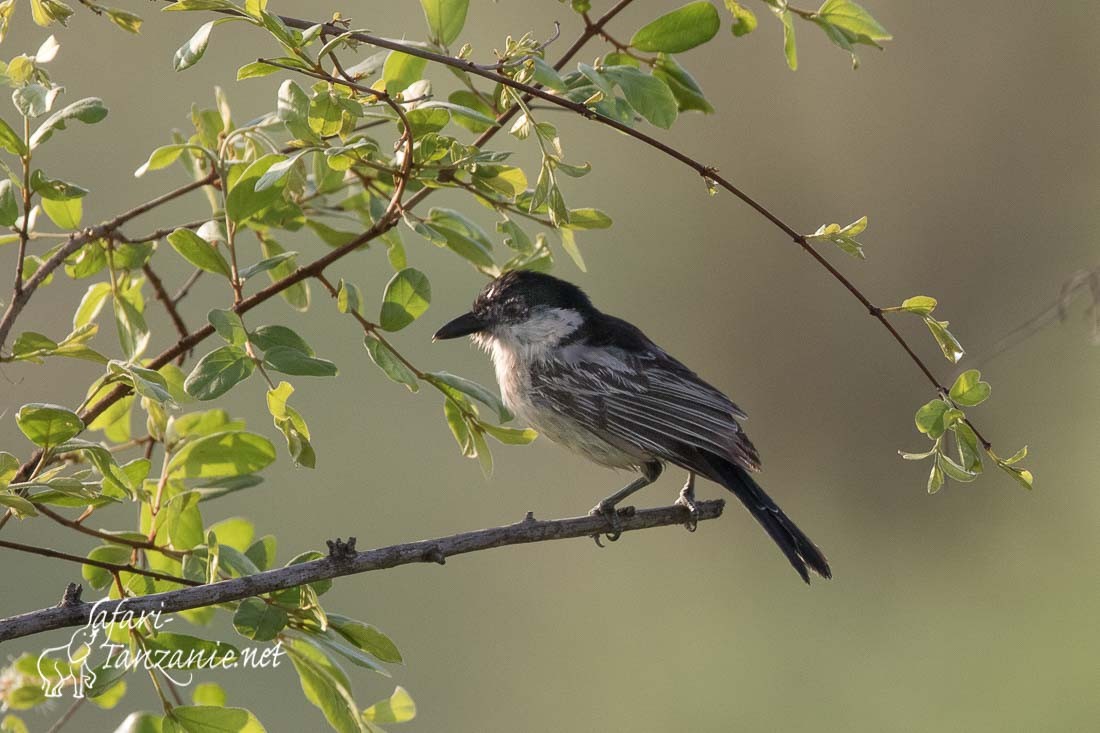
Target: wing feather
{"points": [[650, 401]]}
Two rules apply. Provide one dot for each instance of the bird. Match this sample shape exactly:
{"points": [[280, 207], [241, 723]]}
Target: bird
{"points": [[599, 386]]}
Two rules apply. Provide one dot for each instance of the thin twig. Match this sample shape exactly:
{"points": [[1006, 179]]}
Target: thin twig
{"points": [[69, 713], [169, 304], [434, 551], [113, 567]]}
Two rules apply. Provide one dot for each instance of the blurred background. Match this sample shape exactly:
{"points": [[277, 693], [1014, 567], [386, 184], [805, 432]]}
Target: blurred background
{"points": [[970, 144]]}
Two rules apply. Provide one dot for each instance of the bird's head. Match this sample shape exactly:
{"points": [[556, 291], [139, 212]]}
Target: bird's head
{"points": [[522, 307]]}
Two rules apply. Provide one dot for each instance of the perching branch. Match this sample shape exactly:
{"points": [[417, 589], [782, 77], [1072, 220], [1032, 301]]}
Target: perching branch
{"points": [[338, 564]]}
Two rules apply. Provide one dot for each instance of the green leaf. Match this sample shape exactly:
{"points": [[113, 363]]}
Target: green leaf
{"points": [[231, 453], [969, 390], [648, 95], [48, 425], [9, 207], [9, 466], [682, 29], [297, 295], [199, 252], [291, 361], [445, 19], [348, 298], [407, 296], [1023, 476], [688, 93], [292, 108], [133, 333], [857, 25], [967, 441], [189, 53], [325, 686], [229, 326], [587, 218], [270, 337], [258, 620], [399, 708], [163, 157], [935, 478], [843, 237], [510, 436], [400, 70], [279, 170], [10, 140], [930, 418], [218, 372], [89, 111], [256, 69], [65, 214], [953, 470], [244, 200], [124, 19], [208, 693], [388, 362], [473, 389], [744, 21], [326, 114], [265, 264], [922, 305], [262, 552], [183, 520], [21, 506], [292, 425], [365, 637], [449, 228], [950, 346], [100, 577], [211, 719], [456, 421], [790, 48]]}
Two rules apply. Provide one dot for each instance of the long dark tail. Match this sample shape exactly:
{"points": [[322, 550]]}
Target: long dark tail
{"points": [[798, 548]]}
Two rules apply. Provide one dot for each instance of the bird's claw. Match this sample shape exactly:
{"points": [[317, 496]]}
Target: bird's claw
{"points": [[612, 514], [687, 500]]}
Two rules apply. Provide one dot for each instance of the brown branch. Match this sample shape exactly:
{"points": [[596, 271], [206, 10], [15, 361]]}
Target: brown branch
{"points": [[337, 565], [113, 567], [169, 304], [105, 536]]}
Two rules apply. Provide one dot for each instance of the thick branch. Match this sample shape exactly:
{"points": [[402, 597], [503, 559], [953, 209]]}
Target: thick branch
{"points": [[436, 551]]}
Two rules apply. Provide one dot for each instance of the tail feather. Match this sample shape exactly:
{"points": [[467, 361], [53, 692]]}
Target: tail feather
{"points": [[799, 549]]}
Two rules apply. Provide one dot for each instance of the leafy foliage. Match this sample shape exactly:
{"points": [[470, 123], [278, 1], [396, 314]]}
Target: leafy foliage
{"points": [[335, 156]]}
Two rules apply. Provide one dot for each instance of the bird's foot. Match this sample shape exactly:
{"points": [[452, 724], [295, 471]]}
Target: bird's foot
{"points": [[687, 500], [613, 514]]}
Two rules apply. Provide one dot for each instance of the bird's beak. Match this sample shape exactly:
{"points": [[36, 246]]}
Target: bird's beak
{"points": [[464, 325]]}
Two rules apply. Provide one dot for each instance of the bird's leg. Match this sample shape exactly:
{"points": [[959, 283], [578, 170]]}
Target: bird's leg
{"points": [[607, 507], [687, 499]]}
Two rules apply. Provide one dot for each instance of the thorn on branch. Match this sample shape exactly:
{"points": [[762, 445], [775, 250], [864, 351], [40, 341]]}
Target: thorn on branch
{"points": [[529, 518], [340, 550], [71, 596]]}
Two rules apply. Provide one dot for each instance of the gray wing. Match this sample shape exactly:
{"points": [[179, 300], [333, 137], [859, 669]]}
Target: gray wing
{"points": [[647, 400]]}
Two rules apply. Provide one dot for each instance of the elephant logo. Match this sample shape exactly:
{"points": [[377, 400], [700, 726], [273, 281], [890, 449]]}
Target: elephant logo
{"points": [[72, 666]]}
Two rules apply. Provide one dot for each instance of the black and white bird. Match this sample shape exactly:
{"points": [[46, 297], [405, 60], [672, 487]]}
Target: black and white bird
{"points": [[597, 385]]}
